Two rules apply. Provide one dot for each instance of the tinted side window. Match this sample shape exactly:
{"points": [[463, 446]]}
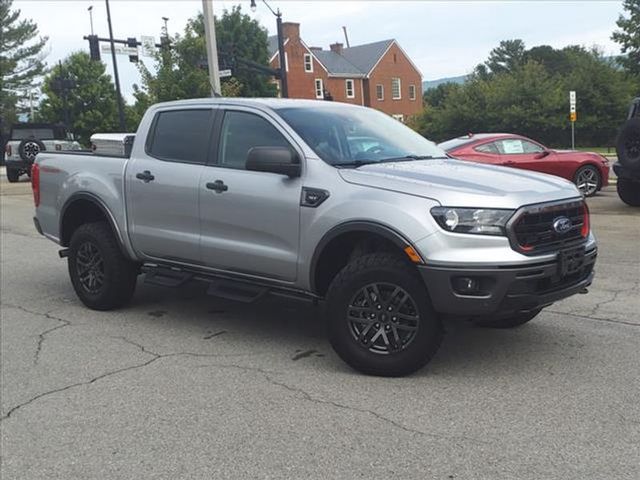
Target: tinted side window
{"points": [[530, 147], [182, 136], [487, 148], [240, 133]]}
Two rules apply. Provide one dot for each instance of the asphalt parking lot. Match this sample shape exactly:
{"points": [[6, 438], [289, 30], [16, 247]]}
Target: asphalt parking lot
{"points": [[182, 385]]}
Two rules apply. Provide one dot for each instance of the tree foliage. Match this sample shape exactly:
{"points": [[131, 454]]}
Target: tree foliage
{"points": [[91, 104], [181, 72], [629, 36], [528, 93], [21, 60]]}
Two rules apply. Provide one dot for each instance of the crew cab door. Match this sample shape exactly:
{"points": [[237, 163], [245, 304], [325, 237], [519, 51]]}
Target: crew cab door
{"points": [[250, 220], [163, 185]]}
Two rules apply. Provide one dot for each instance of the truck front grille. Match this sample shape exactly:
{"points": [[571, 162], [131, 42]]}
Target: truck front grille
{"points": [[532, 230]]}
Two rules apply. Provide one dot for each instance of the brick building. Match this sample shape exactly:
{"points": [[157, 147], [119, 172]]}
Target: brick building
{"points": [[378, 75]]}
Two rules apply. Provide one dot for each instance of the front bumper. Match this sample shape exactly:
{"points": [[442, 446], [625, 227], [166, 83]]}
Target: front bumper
{"points": [[504, 290]]}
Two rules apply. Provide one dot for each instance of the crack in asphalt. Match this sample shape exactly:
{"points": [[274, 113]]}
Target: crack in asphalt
{"points": [[42, 335], [308, 397], [143, 349], [596, 319]]}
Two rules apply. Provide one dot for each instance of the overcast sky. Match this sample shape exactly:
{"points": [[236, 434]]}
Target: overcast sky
{"points": [[443, 38]]}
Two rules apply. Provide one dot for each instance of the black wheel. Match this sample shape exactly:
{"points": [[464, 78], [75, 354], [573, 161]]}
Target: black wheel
{"points": [[13, 175], [101, 276], [629, 191], [588, 180], [380, 317], [628, 144], [29, 148], [507, 322]]}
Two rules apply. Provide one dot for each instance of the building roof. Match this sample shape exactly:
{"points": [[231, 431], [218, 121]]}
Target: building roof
{"points": [[357, 61], [365, 57]]}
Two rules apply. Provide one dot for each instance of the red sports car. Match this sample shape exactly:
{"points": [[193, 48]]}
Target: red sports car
{"points": [[589, 171]]}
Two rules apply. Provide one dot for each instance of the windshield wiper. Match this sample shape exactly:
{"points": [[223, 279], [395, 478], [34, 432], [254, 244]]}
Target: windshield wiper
{"points": [[406, 158]]}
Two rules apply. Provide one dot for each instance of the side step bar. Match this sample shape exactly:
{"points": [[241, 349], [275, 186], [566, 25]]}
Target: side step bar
{"points": [[221, 286]]}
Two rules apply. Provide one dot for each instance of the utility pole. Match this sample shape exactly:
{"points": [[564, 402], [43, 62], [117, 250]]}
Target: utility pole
{"points": [[91, 17], [115, 72], [212, 48], [284, 85]]}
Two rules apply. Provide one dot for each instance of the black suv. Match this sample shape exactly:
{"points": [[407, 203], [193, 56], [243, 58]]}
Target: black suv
{"points": [[628, 166]]}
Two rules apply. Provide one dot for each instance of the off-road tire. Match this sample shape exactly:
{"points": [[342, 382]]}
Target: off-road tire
{"points": [[629, 191], [507, 322], [13, 175], [118, 273], [628, 144], [391, 270]]}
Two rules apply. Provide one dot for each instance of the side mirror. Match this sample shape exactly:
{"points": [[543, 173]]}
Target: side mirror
{"points": [[544, 153], [280, 160]]}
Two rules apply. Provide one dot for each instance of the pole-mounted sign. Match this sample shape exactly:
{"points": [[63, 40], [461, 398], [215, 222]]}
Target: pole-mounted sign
{"points": [[573, 116]]}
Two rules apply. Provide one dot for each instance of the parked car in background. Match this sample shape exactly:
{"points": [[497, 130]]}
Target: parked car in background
{"points": [[589, 171], [26, 140], [628, 166]]}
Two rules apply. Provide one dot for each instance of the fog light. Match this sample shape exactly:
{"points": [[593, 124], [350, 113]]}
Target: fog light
{"points": [[466, 285]]}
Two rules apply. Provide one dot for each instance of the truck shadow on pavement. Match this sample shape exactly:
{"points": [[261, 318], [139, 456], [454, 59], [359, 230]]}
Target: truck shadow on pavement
{"points": [[295, 330]]}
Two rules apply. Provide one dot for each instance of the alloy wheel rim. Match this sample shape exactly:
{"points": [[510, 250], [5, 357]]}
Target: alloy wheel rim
{"points": [[90, 267], [587, 181], [383, 318]]}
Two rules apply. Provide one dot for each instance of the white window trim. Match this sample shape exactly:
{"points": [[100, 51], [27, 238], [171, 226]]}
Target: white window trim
{"points": [[399, 97], [412, 88], [321, 89], [353, 88], [308, 56], [286, 62], [381, 97]]}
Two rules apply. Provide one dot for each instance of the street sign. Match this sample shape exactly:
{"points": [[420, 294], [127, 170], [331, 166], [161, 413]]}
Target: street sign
{"points": [[148, 45], [224, 73], [120, 49], [572, 101], [573, 116]]}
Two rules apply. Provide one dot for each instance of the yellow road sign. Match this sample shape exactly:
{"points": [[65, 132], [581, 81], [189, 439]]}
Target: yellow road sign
{"points": [[573, 116]]}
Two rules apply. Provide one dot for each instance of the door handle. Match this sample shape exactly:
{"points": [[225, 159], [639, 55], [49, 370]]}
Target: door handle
{"points": [[509, 162], [145, 176], [218, 186]]}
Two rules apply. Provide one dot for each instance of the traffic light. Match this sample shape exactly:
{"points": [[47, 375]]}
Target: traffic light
{"points": [[133, 43], [94, 47]]}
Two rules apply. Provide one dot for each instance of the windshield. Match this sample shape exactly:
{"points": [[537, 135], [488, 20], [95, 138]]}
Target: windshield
{"points": [[355, 136], [455, 143]]}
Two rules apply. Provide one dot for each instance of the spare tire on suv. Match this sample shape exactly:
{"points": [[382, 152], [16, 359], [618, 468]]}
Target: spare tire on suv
{"points": [[628, 149], [29, 148]]}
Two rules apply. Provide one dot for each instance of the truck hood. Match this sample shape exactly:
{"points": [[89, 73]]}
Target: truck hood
{"points": [[463, 184]]}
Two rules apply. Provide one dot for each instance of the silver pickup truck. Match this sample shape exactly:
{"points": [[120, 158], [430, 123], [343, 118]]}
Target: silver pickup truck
{"points": [[318, 200]]}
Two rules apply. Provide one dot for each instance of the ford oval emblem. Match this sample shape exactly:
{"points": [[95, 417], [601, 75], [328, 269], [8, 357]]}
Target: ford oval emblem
{"points": [[562, 225]]}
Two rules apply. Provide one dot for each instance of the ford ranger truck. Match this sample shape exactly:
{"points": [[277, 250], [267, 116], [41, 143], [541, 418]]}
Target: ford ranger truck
{"points": [[321, 200]]}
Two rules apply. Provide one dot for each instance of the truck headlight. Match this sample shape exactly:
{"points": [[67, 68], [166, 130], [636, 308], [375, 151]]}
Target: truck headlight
{"points": [[479, 221]]}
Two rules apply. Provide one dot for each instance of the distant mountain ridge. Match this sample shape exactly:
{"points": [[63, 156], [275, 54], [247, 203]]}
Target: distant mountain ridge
{"points": [[428, 84]]}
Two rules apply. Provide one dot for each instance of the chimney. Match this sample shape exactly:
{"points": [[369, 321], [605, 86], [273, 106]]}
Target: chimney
{"points": [[291, 30], [337, 48]]}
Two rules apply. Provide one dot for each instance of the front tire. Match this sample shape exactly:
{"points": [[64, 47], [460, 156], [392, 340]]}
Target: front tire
{"points": [[508, 322], [13, 175], [380, 318], [588, 180], [101, 276], [629, 191]]}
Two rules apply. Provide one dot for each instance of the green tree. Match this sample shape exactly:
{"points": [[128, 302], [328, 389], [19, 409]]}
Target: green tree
{"points": [[21, 60], [629, 36], [91, 104], [181, 72], [506, 57]]}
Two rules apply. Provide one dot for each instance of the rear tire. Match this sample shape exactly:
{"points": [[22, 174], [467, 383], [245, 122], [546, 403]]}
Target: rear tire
{"points": [[380, 318], [628, 144], [629, 191], [13, 175], [588, 180], [508, 322], [101, 276]]}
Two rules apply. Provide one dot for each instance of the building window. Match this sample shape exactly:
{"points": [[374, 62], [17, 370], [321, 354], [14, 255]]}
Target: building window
{"points": [[351, 93], [286, 62], [308, 62], [380, 92], [319, 88], [399, 117], [412, 92], [396, 88]]}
